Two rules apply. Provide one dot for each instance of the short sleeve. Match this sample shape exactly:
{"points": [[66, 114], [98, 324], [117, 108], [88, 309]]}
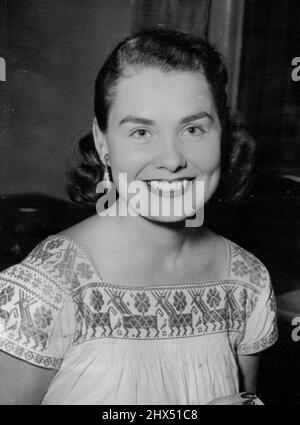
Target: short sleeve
{"points": [[35, 322], [261, 323]]}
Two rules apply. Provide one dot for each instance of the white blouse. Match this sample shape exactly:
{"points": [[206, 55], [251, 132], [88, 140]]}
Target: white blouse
{"points": [[118, 344]]}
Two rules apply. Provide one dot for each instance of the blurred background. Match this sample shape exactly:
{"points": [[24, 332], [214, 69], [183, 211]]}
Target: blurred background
{"points": [[53, 50]]}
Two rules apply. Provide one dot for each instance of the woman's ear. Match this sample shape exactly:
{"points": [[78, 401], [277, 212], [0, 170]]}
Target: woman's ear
{"points": [[100, 141]]}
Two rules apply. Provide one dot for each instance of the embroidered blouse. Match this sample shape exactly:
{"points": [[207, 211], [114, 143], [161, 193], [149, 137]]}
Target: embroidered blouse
{"points": [[118, 344]]}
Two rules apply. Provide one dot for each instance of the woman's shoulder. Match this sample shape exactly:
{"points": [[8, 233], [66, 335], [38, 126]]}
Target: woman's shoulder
{"points": [[43, 266], [245, 266], [57, 262], [33, 295], [85, 232]]}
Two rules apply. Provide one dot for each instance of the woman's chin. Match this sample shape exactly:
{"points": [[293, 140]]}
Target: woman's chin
{"points": [[194, 219], [163, 219]]}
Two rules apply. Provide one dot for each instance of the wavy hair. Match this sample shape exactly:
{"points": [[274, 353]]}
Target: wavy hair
{"points": [[168, 50]]}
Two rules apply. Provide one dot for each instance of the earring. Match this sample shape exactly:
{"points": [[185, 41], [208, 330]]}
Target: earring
{"points": [[106, 177]]}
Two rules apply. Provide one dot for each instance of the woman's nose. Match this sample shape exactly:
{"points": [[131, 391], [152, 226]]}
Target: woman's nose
{"points": [[170, 157]]}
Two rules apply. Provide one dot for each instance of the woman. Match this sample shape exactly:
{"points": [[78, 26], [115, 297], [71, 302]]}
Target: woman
{"points": [[140, 306]]}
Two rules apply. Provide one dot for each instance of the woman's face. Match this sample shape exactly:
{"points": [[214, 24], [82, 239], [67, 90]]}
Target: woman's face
{"points": [[164, 132]]}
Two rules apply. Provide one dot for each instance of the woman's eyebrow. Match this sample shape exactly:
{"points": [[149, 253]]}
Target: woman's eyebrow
{"points": [[139, 120], [136, 120], [195, 117]]}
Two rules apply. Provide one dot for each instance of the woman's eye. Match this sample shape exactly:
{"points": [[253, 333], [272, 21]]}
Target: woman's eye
{"points": [[193, 131], [141, 133]]}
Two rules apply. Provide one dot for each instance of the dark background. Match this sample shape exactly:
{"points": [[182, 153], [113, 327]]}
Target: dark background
{"points": [[53, 50]]}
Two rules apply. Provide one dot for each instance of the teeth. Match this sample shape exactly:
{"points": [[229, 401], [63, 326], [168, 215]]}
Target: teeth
{"points": [[165, 186]]}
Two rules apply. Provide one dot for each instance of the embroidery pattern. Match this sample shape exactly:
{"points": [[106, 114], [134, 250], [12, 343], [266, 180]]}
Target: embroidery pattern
{"points": [[261, 344], [159, 313], [32, 295], [243, 264], [29, 356]]}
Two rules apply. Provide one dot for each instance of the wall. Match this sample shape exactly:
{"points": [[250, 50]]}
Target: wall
{"points": [[268, 96], [53, 49]]}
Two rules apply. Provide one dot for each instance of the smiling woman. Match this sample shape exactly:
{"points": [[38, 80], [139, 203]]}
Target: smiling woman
{"points": [[181, 54], [140, 308], [153, 139]]}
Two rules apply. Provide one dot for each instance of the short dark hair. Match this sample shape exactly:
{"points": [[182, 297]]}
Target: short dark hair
{"points": [[168, 50]]}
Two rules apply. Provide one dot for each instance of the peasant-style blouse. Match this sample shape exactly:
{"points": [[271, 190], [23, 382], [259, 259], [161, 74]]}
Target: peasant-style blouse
{"points": [[113, 343]]}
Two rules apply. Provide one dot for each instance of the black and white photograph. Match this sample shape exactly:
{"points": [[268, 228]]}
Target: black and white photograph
{"points": [[150, 205]]}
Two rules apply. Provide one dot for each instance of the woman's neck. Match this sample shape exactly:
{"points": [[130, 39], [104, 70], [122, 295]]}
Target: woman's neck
{"points": [[153, 239]]}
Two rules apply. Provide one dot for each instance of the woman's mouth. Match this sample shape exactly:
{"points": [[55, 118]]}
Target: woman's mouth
{"points": [[169, 188]]}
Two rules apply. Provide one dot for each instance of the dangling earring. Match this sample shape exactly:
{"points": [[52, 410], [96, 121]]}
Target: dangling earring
{"points": [[106, 177]]}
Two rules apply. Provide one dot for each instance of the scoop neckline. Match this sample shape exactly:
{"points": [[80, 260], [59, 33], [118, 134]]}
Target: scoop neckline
{"points": [[85, 252]]}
